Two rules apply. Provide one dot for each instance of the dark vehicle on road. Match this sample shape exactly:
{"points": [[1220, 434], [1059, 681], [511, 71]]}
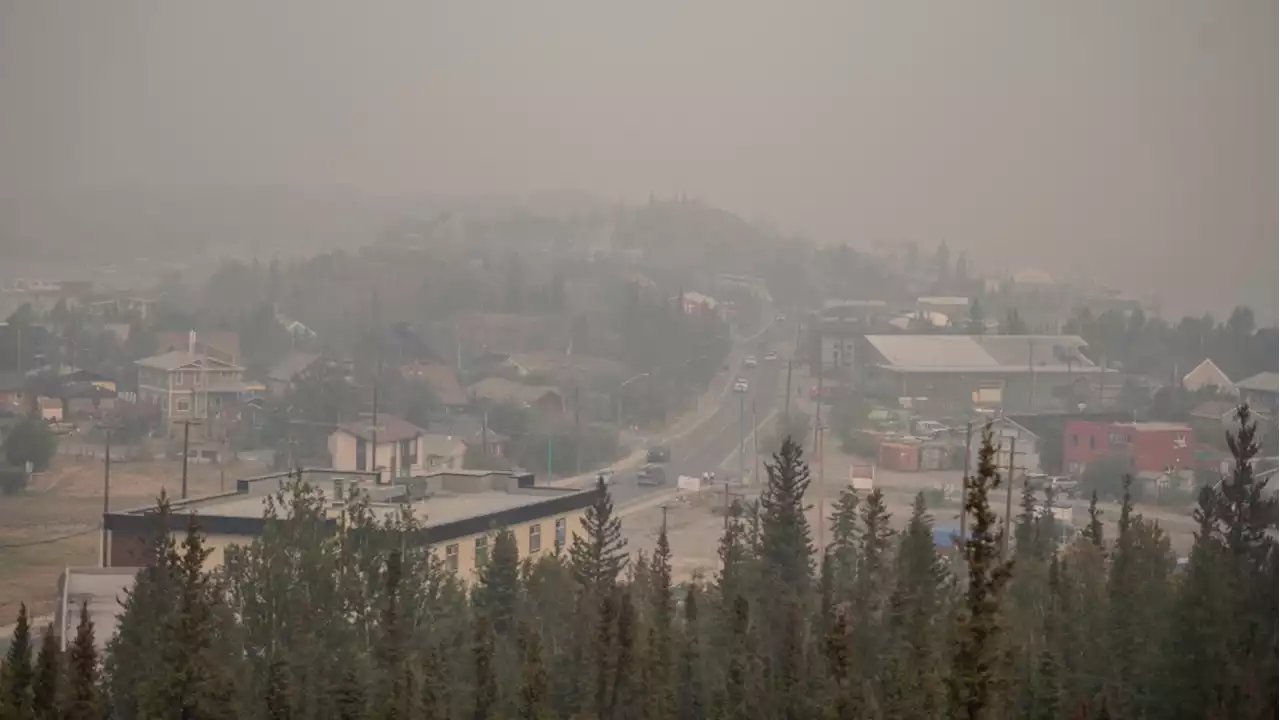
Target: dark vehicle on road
{"points": [[658, 454], [651, 475]]}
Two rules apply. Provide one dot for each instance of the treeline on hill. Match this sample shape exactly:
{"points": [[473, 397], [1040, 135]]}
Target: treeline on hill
{"points": [[306, 623]]}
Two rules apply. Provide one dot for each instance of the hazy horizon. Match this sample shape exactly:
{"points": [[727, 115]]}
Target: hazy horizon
{"points": [[1134, 143]]}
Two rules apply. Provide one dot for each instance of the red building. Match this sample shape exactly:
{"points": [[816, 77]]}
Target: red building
{"points": [[1149, 446]]}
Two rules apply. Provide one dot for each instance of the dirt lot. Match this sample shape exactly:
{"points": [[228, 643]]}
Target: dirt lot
{"points": [[55, 523]]}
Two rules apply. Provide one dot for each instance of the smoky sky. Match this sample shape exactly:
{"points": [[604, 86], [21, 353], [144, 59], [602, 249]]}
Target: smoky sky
{"points": [[1129, 142]]}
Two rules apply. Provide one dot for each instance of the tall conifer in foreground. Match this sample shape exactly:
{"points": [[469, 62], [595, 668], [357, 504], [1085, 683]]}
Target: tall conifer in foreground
{"points": [[83, 699], [17, 675], [977, 650], [48, 677]]}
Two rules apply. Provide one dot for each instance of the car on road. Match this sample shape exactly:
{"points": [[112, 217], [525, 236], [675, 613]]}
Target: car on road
{"points": [[651, 474], [750, 361], [740, 385], [657, 454], [770, 357]]}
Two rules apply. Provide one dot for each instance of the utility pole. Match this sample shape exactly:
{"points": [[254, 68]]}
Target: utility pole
{"points": [[964, 482], [106, 492], [742, 437], [186, 445], [817, 449], [787, 402], [1008, 501]]}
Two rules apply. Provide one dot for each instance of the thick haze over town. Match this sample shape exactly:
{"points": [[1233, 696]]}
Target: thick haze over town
{"points": [[593, 360], [1132, 143]]}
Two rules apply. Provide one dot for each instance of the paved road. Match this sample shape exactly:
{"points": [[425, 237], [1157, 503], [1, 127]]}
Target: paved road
{"points": [[715, 439]]}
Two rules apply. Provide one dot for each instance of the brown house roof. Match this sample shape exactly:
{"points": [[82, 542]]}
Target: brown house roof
{"points": [[442, 379], [391, 428], [221, 345]]}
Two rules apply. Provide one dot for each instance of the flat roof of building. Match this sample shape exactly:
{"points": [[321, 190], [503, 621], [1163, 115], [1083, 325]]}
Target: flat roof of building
{"points": [[448, 503]]}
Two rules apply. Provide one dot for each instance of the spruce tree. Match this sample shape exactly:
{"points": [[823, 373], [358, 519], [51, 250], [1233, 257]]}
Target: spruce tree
{"points": [[691, 690], [351, 699], [622, 693], [48, 672], [498, 591], [485, 704], [786, 543], [599, 554], [533, 704], [871, 578], [83, 700], [844, 547], [977, 650], [1094, 530], [660, 702], [17, 676], [279, 700], [737, 702], [843, 699], [914, 688]]}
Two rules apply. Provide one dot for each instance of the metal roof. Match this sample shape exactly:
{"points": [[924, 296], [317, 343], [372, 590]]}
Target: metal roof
{"points": [[1262, 382], [982, 353]]}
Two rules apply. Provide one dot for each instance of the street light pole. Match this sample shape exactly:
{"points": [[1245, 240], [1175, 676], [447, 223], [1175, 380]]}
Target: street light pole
{"points": [[742, 436]]}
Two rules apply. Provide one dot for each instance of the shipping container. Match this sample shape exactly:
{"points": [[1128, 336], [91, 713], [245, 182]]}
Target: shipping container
{"points": [[900, 457]]}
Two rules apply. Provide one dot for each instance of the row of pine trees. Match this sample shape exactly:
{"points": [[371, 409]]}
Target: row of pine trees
{"points": [[310, 623]]}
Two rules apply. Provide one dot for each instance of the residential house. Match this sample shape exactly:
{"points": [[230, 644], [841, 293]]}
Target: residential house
{"points": [[443, 381], [1260, 391], [398, 446], [956, 372], [282, 375], [443, 452], [1207, 375], [189, 385], [224, 346], [13, 391], [471, 429], [501, 390]]}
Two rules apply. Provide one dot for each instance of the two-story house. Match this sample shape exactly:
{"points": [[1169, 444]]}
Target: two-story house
{"points": [[191, 386]]}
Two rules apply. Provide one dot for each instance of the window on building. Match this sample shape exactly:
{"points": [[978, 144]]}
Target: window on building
{"points": [[482, 552], [535, 538], [409, 452], [451, 557], [1092, 445], [361, 451], [179, 379], [184, 406], [561, 527]]}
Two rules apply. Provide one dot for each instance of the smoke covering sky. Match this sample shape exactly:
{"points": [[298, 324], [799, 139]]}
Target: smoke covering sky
{"points": [[1130, 142]]}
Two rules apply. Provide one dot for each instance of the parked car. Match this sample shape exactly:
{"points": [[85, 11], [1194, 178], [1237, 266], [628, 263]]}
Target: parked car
{"points": [[658, 454], [770, 357], [751, 361], [652, 475], [740, 385]]}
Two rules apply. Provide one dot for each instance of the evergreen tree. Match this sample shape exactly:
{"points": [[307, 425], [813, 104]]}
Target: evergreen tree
{"points": [[973, 671], [786, 543], [83, 700], [872, 578], [843, 700], [47, 679], [622, 693], [392, 661], [599, 554], [737, 702], [351, 699], [660, 702], [485, 704], [17, 675], [913, 679], [1094, 531], [533, 679], [734, 552], [279, 700], [691, 690], [498, 591]]}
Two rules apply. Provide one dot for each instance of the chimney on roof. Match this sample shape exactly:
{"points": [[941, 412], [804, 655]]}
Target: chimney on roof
{"points": [[191, 342]]}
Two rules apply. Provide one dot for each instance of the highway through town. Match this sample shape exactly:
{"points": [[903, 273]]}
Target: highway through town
{"points": [[716, 439]]}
